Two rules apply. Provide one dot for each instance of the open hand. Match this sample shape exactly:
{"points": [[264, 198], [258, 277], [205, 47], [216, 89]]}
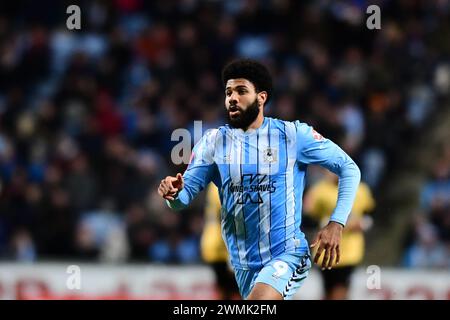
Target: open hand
{"points": [[328, 240]]}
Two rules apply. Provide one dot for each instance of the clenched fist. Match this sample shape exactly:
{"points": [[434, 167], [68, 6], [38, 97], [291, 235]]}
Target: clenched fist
{"points": [[170, 186]]}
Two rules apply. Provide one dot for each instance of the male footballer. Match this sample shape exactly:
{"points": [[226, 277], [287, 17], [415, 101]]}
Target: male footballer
{"points": [[258, 165]]}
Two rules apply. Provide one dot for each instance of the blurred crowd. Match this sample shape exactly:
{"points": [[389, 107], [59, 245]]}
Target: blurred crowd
{"points": [[86, 116], [428, 241]]}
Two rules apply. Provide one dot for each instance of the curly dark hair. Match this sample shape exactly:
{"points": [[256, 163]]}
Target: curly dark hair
{"points": [[251, 70]]}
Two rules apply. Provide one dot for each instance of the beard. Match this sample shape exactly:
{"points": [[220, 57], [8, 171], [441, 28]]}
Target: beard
{"points": [[245, 117]]}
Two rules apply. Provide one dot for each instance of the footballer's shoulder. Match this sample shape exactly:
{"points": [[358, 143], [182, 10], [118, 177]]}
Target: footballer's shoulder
{"points": [[222, 130], [224, 127], [212, 133], [301, 126], [285, 126], [282, 123], [276, 123]]}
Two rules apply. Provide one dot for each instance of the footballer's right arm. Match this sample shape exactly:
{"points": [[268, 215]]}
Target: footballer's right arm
{"points": [[172, 190], [170, 186], [179, 191]]}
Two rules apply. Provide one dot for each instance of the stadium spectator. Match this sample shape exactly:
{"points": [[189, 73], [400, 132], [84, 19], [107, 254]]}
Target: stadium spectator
{"points": [[88, 114]]}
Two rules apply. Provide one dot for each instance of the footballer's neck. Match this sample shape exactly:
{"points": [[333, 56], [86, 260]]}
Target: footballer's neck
{"points": [[258, 121]]}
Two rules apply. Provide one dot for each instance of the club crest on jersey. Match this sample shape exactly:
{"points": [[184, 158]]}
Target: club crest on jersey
{"points": [[270, 155]]}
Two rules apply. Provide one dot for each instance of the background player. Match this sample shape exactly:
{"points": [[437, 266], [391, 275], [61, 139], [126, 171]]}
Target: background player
{"points": [[319, 201], [213, 249]]}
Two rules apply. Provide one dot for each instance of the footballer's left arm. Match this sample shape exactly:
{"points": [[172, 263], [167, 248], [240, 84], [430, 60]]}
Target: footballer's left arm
{"points": [[312, 148]]}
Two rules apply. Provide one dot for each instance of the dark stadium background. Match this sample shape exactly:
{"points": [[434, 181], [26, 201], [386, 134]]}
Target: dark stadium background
{"points": [[86, 118]]}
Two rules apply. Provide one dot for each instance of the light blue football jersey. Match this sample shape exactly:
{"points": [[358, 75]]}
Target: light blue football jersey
{"points": [[260, 175]]}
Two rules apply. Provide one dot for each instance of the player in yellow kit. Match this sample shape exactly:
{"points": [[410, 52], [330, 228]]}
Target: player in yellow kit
{"points": [[213, 249], [320, 200]]}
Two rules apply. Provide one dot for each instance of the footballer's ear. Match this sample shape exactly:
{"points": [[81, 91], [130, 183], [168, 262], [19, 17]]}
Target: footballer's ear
{"points": [[262, 97]]}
